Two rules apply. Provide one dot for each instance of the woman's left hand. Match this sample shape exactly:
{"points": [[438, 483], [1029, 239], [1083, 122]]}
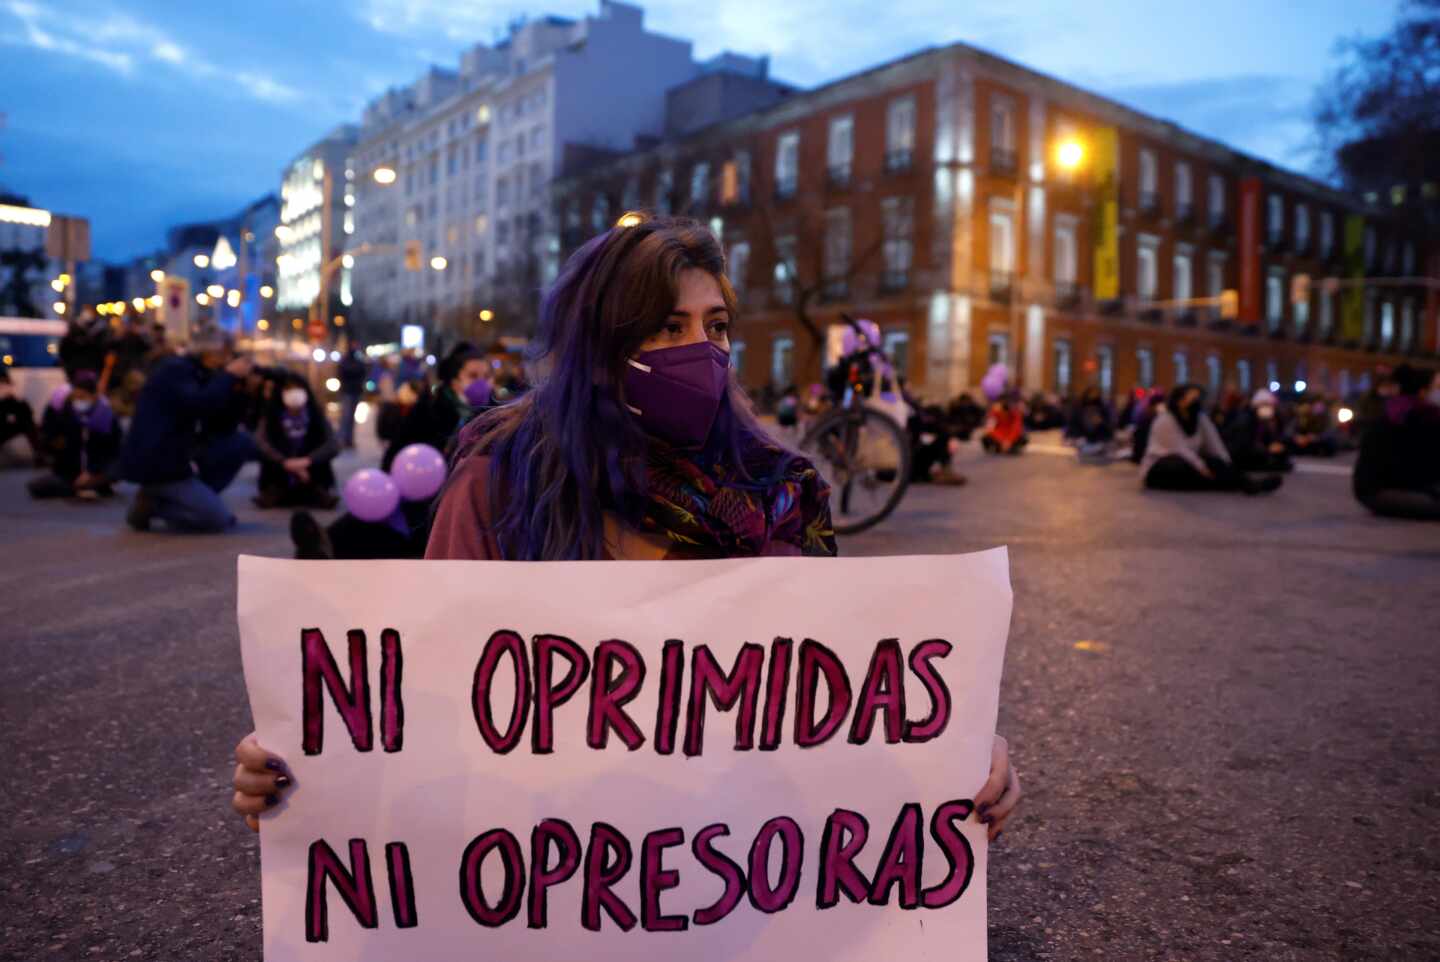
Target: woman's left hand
{"points": [[996, 800]]}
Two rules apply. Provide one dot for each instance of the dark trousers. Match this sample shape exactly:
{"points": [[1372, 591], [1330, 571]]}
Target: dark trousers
{"points": [[353, 539], [1174, 473], [194, 504]]}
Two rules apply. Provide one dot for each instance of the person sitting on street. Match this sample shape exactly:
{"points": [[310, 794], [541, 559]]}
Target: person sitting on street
{"points": [[181, 471], [964, 416], [17, 421], [296, 447], [1145, 413], [1313, 431], [82, 437], [439, 413], [1092, 424], [1255, 435], [1185, 453], [1397, 474], [1044, 413], [1005, 428]]}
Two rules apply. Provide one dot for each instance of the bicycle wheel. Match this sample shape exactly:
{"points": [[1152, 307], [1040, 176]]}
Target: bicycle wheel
{"points": [[865, 456]]}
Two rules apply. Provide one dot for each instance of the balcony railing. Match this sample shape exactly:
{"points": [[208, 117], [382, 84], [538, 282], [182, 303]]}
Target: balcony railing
{"points": [[1152, 315], [1067, 295], [1002, 286], [835, 289], [899, 161], [1003, 161], [838, 176], [894, 280]]}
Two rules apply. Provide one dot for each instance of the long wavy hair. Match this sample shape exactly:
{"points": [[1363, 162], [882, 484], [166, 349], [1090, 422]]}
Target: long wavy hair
{"points": [[569, 450]]}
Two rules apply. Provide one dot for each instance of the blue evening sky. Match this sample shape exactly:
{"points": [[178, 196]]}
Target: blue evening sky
{"points": [[145, 113]]}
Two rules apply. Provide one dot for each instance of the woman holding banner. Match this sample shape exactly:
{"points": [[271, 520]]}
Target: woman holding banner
{"points": [[636, 444]]}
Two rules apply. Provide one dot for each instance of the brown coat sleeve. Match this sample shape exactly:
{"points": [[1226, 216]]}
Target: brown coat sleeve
{"points": [[461, 530]]}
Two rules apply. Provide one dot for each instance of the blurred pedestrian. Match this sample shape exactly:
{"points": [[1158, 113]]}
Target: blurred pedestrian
{"points": [[1185, 452], [181, 464], [1091, 427], [17, 423], [1398, 471], [436, 414], [353, 374], [296, 447], [86, 346], [1313, 430], [1256, 436], [82, 438], [1005, 427]]}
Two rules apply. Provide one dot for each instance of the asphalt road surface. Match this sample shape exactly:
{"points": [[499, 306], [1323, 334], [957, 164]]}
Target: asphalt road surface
{"points": [[1224, 711]]}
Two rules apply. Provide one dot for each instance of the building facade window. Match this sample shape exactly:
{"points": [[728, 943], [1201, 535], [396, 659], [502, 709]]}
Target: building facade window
{"points": [[900, 134], [1002, 134], [1002, 250], [998, 348], [664, 190], [1217, 200], [1215, 280], [1407, 324], [787, 164], [1181, 362], [1062, 367], [1147, 253], [1327, 234], [1105, 361], [700, 185], [839, 149], [735, 179], [1301, 308], [1145, 367], [898, 216], [1066, 258], [782, 361], [1326, 319], [1242, 375], [737, 264], [1184, 204], [1214, 374], [1274, 218], [1387, 323], [1272, 374], [784, 273], [1302, 228], [1183, 280], [897, 348], [600, 214], [1275, 299], [1149, 198]]}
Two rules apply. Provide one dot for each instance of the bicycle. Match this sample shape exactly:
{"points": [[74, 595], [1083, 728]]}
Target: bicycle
{"points": [[863, 452]]}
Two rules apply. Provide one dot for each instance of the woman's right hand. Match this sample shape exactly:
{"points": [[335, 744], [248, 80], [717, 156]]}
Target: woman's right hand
{"points": [[259, 779]]}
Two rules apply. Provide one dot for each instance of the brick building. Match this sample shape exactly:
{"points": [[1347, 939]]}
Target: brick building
{"points": [[983, 212]]}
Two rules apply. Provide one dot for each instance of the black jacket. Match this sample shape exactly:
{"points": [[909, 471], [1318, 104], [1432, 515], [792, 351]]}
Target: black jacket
{"points": [[177, 397], [75, 448], [1401, 450]]}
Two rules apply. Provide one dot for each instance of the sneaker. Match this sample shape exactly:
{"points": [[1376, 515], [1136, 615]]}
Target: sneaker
{"points": [[311, 542], [142, 509], [949, 477]]}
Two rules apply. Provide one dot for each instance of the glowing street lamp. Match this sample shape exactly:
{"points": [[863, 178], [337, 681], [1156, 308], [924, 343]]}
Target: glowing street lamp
{"points": [[438, 263], [56, 286], [202, 299], [59, 307], [1071, 154], [263, 324], [233, 298], [487, 315], [266, 290], [138, 303], [155, 300], [384, 175], [157, 275], [215, 291], [202, 261]]}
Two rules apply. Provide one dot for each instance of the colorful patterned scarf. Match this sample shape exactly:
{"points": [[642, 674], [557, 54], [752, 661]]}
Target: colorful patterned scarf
{"points": [[711, 509]]}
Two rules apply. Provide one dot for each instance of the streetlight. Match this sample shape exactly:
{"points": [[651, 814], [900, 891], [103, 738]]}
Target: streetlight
{"points": [[59, 307], [155, 300], [202, 299], [487, 315], [384, 175], [262, 324], [233, 298], [438, 263], [347, 261], [56, 286], [138, 303], [157, 275], [215, 291], [266, 290], [1071, 154], [202, 261]]}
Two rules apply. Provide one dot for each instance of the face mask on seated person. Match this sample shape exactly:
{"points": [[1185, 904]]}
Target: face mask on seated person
{"points": [[82, 407], [294, 398]]}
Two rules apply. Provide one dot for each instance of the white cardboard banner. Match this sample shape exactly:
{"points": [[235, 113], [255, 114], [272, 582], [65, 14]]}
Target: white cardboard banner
{"points": [[824, 814]]}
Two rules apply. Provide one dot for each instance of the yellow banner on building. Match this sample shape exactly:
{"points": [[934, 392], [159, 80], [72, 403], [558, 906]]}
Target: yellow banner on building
{"points": [[1352, 300], [1107, 220]]}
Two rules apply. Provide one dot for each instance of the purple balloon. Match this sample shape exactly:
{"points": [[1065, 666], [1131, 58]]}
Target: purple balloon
{"points": [[370, 495], [993, 383], [418, 470], [58, 396]]}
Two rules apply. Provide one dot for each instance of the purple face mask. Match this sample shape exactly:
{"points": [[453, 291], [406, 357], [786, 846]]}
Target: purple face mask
{"points": [[676, 391]]}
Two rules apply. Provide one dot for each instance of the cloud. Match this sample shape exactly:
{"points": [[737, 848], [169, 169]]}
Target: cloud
{"points": [[119, 41]]}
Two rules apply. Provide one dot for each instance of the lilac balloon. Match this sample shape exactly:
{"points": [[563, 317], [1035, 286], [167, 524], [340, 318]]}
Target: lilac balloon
{"points": [[418, 470], [370, 495], [993, 383], [58, 396]]}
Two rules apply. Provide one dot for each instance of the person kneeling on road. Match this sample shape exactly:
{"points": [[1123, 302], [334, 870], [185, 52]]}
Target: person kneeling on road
{"points": [[181, 471], [1185, 452], [82, 436]]}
